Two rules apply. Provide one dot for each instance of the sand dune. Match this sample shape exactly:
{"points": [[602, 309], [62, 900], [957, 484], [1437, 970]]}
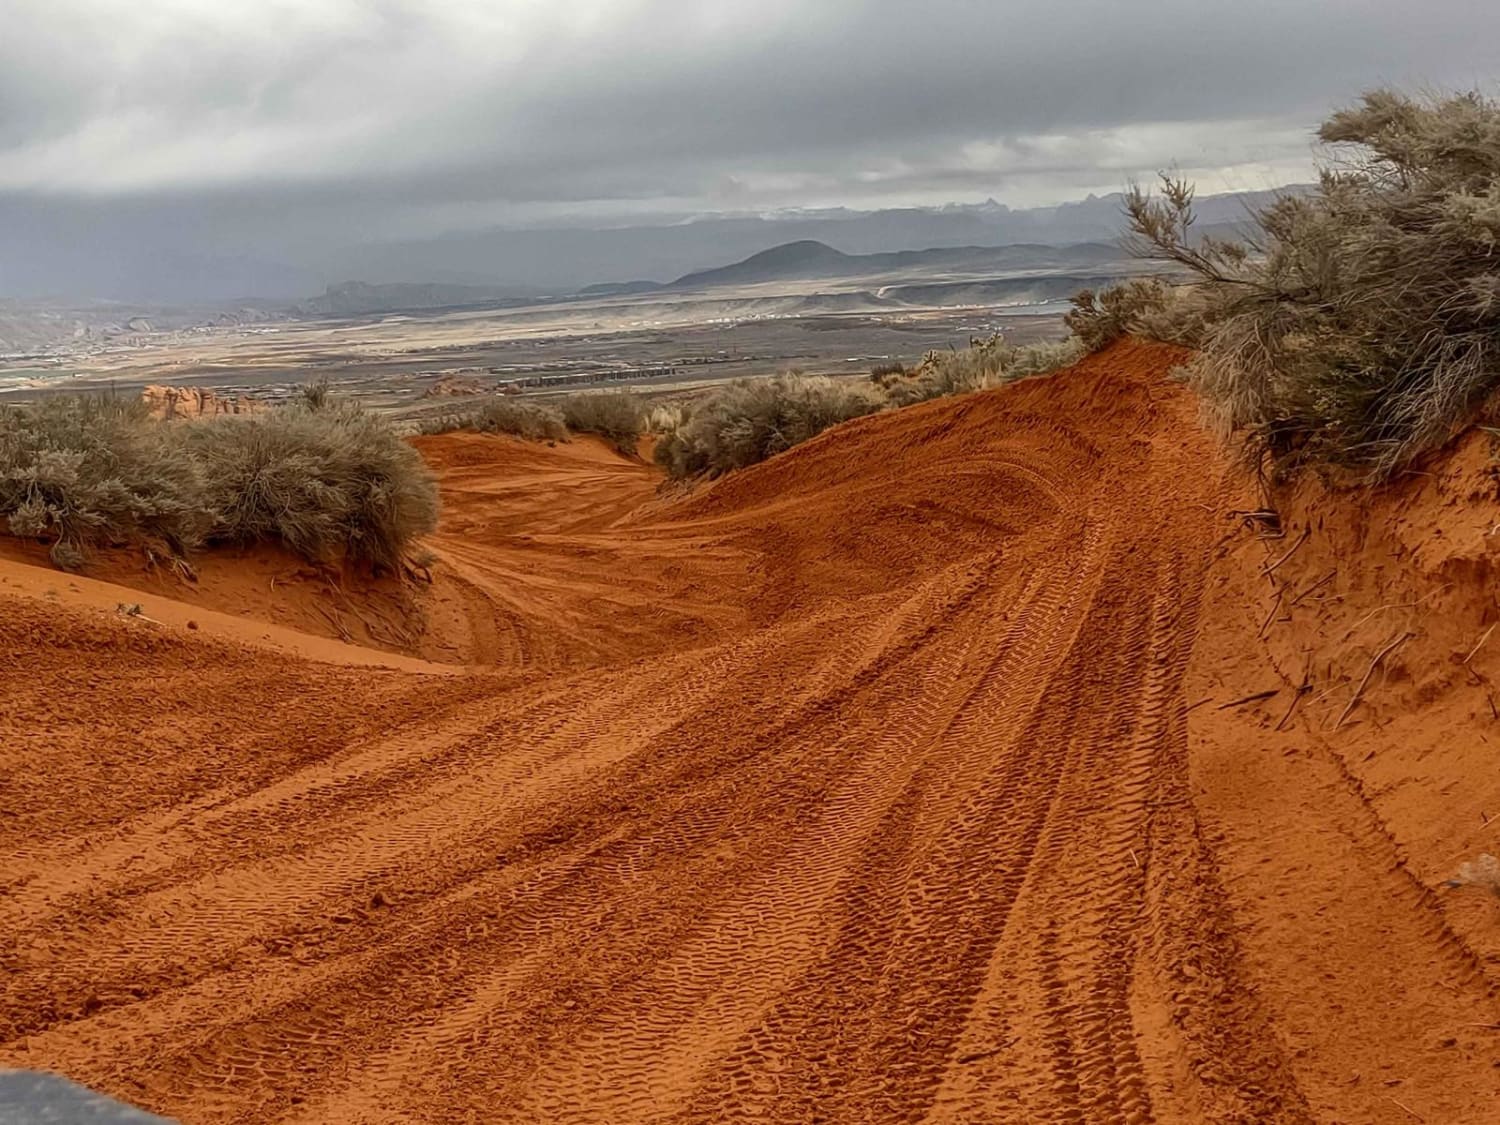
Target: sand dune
{"points": [[910, 776]]}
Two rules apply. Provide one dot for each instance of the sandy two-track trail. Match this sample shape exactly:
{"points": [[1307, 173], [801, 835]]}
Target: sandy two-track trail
{"points": [[859, 787]]}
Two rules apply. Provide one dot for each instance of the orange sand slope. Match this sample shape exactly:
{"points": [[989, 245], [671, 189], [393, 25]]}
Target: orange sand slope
{"points": [[906, 777]]}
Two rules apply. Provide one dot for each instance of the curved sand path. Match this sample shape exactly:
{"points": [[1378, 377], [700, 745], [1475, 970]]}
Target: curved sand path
{"points": [[856, 787]]}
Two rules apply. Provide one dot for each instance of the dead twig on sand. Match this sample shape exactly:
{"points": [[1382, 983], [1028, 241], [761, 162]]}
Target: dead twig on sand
{"points": [[1302, 690], [337, 622], [1394, 605], [1256, 698], [975, 1056], [1267, 517], [1321, 582], [1480, 645], [1275, 609], [1468, 849], [1301, 539], [1370, 671], [1404, 1106], [133, 610]]}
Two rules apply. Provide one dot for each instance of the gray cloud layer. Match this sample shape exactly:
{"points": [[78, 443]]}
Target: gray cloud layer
{"points": [[292, 130]]}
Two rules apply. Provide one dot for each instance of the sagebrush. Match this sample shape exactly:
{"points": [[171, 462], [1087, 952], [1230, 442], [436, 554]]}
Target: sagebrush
{"points": [[1361, 326], [748, 420], [532, 421], [85, 469], [323, 478], [616, 416], [985, 363], [334, 482], [1152, 307]]}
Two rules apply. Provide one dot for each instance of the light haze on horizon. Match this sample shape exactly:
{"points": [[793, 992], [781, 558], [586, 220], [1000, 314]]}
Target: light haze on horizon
{"points": [[184, 143]]}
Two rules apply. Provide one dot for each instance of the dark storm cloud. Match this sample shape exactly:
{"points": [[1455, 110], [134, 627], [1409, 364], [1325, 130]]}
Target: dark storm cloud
{"points": [[290, 128]]}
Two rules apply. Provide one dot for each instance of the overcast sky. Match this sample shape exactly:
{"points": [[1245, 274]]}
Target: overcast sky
{"points": [[272, 125]]}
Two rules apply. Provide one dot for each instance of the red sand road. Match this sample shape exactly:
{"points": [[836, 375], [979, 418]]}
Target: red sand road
{"points": [[889, 781]]}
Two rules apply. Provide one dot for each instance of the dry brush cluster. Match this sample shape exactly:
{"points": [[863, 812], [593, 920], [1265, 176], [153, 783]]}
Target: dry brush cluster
{"points": [[617, 416], [321, 477], [749, 420], [984, 363], [1360, 326], [533, 421], [742, 422]]}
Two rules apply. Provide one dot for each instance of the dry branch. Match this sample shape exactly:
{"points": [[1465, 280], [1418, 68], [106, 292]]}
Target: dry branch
{"points": [[1480, 645], [1407, 1108], [1256, 698], [1296, 698], [1370, 671], [1319, 584], [1394, 605], [1301, 539], [1275, 609]]}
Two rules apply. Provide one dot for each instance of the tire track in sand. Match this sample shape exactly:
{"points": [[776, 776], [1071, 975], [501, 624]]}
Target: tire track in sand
{"points": [[851, 788]]}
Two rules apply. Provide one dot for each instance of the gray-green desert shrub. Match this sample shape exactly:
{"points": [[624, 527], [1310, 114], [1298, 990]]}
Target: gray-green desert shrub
{"points": [[616, 416], [329, 482], [748, 420], [81, 470], [533, 421], [321, 477], [1361, 326], [985, 363]]}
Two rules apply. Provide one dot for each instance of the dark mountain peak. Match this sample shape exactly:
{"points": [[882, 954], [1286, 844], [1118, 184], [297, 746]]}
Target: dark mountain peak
{"points": [[803, 252], [804, 258]]}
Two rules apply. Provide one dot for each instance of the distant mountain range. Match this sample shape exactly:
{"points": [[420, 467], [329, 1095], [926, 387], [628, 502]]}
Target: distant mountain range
{"points": [[801, 261], [569, 260], [41, 326], [359, 298], [165, 262], [805, 258], [805, 276], [808, 259]]}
